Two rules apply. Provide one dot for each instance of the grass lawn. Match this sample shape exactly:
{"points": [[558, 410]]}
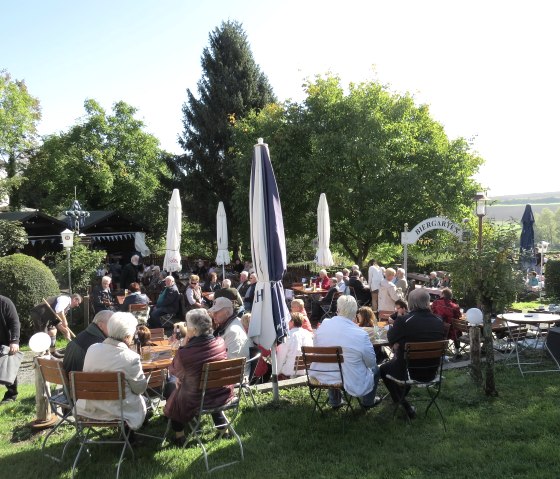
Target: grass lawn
{"points": [[512, 436]]}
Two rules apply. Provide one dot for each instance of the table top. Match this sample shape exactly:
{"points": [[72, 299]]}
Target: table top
{"points": [[434, 291], [159, 364], [530, 318], [301, 290]]}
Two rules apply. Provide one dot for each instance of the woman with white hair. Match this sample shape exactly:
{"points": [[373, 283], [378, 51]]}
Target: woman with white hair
{"points": [[114, 355], [200, 347], [322, 281]]}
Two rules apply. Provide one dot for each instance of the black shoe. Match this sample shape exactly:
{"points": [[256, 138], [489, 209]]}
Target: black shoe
{"points": [[376, 402], [178, 441], [410, 411]]}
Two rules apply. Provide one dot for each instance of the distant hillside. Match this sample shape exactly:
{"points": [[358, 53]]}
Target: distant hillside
{"points": [[512, 206]]}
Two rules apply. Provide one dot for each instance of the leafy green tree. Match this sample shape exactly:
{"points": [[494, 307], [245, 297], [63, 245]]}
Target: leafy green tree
{"points": [[83, 265], [547, 226], [489, 278], [231, 86], [112, 161], [380, 158], [12, 236], [19, 114]]}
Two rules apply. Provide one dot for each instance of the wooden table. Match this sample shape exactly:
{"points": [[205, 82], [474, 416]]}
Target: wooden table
{"points": [[432, 291], [309, 291], [148, 366]]}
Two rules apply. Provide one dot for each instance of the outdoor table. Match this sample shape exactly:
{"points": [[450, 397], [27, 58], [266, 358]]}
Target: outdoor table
{"points": [[536, 320], [309, 291], [432, 291], [148, 366]]}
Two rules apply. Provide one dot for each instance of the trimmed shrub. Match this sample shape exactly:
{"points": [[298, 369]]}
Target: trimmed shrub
{"points": [[552, 281], [26, 281]]}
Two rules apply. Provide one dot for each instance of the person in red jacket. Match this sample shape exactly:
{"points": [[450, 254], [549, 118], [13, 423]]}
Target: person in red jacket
{"points": [[322, 281], [447, 310]]}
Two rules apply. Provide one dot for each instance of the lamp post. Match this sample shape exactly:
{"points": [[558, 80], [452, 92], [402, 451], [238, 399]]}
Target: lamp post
{"points": [[68, 242], [542, 248], [480, 199]]}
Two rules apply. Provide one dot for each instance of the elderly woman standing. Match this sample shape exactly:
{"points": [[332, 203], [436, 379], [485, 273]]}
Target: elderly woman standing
{"points": [[201, 347], [114, 355]]}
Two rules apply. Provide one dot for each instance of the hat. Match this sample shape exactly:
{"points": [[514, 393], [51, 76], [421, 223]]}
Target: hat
{"points": [[220, 303]]}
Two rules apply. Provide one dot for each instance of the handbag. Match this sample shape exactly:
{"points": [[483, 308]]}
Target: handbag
{"points": [[9, 365]]}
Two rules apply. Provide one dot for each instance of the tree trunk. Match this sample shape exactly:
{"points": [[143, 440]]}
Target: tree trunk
{"points": [[476, 366], [490, 383]]}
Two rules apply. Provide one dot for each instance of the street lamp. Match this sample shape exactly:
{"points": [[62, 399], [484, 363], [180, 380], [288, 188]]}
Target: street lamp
{"points": [[68, 242], [542, 248], [480, 199]]}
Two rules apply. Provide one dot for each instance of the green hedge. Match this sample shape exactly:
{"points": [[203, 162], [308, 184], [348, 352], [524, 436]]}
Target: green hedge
{"points": [[26, 281], [552, 281]]}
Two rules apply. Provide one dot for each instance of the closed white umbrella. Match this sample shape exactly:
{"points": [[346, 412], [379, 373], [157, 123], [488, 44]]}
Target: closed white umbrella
{"points": [[172, 260], [222, 257], [323, 256], [269, 315]]}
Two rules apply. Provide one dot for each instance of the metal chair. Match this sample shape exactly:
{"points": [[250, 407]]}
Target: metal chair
{"points": [[246, 388], [218, 374], [99, 387], [329, 310], [332, 356], [58, 397], [424, 365], [359, 302]]}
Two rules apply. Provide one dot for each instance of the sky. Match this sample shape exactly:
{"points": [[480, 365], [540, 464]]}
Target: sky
{"points": [[489, 70]]}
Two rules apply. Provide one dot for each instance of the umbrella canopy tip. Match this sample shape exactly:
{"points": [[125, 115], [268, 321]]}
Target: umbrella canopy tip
{"points": [[260, 141]]}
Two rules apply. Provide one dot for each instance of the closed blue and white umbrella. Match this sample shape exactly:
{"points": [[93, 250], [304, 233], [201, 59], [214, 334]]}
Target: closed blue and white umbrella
{"points": [[323, 257], [527, 240], [222, 257], [172, 260], [269, 315]]}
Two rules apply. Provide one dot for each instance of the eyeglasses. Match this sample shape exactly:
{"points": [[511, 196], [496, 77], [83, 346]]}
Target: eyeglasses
{"points": [[194, 282]]}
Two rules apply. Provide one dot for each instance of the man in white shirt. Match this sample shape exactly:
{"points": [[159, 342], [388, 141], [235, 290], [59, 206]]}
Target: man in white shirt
{"points": [[359, 368], [228, 326], [375, 276]]}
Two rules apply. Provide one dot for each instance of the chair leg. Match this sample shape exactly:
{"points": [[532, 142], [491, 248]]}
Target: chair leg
{"points": [[248, 390], [51, 432], [433, 401]]}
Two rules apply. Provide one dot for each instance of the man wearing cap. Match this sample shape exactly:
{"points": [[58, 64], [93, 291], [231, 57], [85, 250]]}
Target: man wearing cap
{"points": [[228, 326]]}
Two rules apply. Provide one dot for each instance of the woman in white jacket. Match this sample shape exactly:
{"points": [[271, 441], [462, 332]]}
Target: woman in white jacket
{"points": [[112, 355], [388, 292], [287, 352]]}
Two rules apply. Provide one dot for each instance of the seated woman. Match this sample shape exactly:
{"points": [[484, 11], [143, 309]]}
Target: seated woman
{"points": [[262, 370], [288, 351], [135, 296], [193, 293], [322, 281], [114, 354], [144, 336], [201, 347], [365, 319], [211, 285]]}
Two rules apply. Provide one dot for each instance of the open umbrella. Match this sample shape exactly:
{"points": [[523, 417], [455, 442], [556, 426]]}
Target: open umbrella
{"points": [[222, 257], [527, 240], [172, 260], [323, 256], [269, 314]]}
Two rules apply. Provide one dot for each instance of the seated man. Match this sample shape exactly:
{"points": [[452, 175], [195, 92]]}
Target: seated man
{"points": [[250, 294], [433, 282], [167, 303], [229, 327], [243, 283], [416, 326], [359, 368], [316, 306], [226, 291], [76, 349], [363, 293], [102, 296]]}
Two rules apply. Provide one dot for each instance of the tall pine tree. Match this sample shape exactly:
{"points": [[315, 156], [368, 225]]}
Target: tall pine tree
{"points": [[232, 85]]}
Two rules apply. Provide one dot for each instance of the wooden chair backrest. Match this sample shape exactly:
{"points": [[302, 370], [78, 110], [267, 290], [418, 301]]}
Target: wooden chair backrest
{"points": [[97, 386], [156, 378], [425, 350], [52, 371], [460, 325], [157, 333], [299, 364], [137, 307], [329, 354], [222, 373]]}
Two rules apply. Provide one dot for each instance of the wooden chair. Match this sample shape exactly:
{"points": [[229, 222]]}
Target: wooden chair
{"points": [[58, 395], [331, 356], [218, 374], [99, 387], [299, 366], [424, 364], [157, 333], [464, 340], [140, 312]]}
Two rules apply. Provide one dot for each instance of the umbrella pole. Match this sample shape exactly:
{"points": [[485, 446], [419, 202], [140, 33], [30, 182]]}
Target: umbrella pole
{"points": [[223, 271], [274, 377]]}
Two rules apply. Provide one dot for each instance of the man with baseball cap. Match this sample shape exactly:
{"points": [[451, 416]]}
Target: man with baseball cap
{"points": [[228, 326]]}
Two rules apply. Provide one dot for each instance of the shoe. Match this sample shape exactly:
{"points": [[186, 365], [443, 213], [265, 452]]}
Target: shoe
{"points": [[376, 402], [410, 411], [223, 433], [56, 354], [178, 441], [339, 405]]}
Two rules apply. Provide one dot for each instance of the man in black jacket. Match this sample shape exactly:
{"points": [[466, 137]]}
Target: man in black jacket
{"points": [[169, 302], [9, 336], [419, 325]]}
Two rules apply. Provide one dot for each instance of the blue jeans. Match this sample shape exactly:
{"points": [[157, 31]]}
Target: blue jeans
{"points": [[335, 398]]}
